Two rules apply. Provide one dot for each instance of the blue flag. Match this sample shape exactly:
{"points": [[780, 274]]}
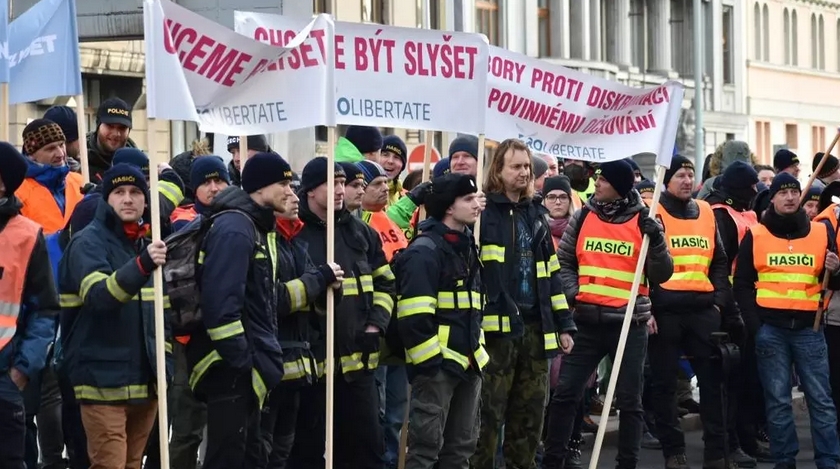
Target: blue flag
{"points": [[4, 38], [43, 52]]}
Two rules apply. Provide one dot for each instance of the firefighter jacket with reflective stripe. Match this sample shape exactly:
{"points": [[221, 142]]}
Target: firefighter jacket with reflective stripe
{"points": [[440, 302], [701, 268], [502, 318], [108, 295], [238, 266], [40, 206], [598, 256], [392, 237], [28, 297], [743, 221], [789, 270], [301, 300], [368, 291], [779, 271]]}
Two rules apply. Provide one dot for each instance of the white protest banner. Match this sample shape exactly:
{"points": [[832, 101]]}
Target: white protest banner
{"points": [[569, 114], [200, 71], [395, 77]]}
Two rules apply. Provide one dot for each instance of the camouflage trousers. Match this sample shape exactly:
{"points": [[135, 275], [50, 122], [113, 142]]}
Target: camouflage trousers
{"points": [[514, 393]]}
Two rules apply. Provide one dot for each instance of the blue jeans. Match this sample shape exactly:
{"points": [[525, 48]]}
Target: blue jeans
{"points": [[777, 349], [392, 382]]}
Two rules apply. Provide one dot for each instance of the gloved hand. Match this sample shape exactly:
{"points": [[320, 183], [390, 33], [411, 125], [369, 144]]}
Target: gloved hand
{"points": [[419, 193], [652, 228], [87, 188], [734, 326], [368, 341]]}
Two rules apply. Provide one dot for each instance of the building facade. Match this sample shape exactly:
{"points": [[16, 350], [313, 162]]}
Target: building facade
{"points": [[793, 69]]}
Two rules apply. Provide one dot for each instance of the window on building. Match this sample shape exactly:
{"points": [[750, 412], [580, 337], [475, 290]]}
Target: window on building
{"points": [[762, 141], [375, 11], [794, 39], [765, 32], [321, 6], [638, 32], [487, 19], [815, 56], [544, 28], [821, 42], [726, 44], [757, 31], [682, 37], [817, 139], [792, 136], [786, 16]]}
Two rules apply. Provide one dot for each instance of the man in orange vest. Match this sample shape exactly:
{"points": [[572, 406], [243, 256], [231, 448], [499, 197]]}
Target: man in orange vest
{"points": [[50, 191], [688, 308], [28, 305], [778, 277], [374, 203], [598, 256]]}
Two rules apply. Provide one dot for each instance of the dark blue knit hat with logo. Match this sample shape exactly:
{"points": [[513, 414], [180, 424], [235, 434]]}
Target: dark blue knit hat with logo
{"points": [[123, 174], [784, 181], [263, 170], [134, 157], [395, 145], [619, 174], [207, 167], [315, 173]]}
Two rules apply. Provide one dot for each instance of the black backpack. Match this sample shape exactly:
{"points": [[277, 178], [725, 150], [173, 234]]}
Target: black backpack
{"points": [[180, 273]]}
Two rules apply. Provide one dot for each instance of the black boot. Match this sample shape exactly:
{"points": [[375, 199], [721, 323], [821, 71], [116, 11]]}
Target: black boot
{"points": [[573, 454]]}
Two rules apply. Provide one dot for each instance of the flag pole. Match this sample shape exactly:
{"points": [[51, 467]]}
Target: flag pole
{"points": [[160, 338]]}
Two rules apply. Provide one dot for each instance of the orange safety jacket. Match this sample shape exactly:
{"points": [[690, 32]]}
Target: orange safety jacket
{"points": [[692, 246], [186, 213], [743, 222], [607, 256], [18, 239], [393, 238], [789, 269], [39, 204], [828, 214]]}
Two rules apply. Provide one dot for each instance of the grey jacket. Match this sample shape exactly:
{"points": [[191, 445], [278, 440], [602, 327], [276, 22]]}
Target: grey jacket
{"points": [[658, 268]]}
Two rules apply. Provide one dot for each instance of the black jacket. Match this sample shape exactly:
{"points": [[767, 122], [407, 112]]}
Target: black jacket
{"points": [[498, 250], [794, 226], [99, 160], [108, 315], [439, 311], [301, 300], [238, 294], [669, 301], [368, 291], [658, 268]]}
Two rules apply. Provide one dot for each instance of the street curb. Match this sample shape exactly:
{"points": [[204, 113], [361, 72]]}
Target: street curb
{"points": [[689, 423]]}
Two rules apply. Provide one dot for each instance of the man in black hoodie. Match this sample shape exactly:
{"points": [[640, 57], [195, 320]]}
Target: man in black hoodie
{"points": [[732, 200], [235, 358], [598, 255], [781, 263], [688, 308]]}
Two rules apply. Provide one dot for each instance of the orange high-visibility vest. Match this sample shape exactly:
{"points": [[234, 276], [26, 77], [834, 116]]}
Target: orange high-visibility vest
{"points": [[828, 214], [692, 244], [607, 255], [186, 213], [743, 222], [39, 204], [789, 270], [393, 238], [18, 239]]}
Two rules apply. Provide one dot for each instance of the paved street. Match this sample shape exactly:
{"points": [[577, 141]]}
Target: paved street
{"points": [[694, 442]]}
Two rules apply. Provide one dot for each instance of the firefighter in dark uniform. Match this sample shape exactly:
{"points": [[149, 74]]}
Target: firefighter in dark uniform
{"points": [[439, 321]]}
